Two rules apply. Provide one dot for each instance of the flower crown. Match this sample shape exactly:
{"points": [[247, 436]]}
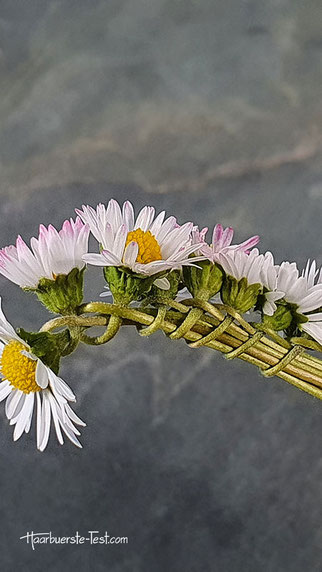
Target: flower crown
{"points": [[160, 275]]}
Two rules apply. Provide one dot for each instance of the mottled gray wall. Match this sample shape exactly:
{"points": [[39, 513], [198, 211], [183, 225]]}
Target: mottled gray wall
{"points": [[213, 111]]}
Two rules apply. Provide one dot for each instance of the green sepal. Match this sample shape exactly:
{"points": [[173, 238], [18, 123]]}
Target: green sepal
{"points": [[297, 319], [63, 294], [160, 296], [46, 346], [127, 286], [285, 318], [280, 320], [239, 294], [205, 281]]}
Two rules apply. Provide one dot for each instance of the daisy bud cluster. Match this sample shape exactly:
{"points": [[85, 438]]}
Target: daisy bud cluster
{"points": [[150, 261]]}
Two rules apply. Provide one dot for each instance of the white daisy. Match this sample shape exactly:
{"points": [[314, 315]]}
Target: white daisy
{"points": [[299, 290], [53, 253], [221, 242], [302, 292], [146, 245], [245, 269], [26, 379]]}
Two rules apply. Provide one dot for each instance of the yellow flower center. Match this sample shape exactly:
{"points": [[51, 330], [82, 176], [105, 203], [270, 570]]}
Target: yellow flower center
{"points": [[149, 249], [19, 369]]}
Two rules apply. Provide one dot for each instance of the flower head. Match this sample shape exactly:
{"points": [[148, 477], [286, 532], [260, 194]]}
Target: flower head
{"points": [[304, 294], [221, 242], [242, 283], [147, 245], [52, 254], [301, 295], [299, 290], [26, 380]]}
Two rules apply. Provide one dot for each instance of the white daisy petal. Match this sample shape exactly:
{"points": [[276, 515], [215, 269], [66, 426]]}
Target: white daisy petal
{"points": [[5, 389], [269, 308], [119, 242], [107, 294], [314, 329], [53, 407], [45, 421], [13, 402], [105, 258], [68, 428], [59, 385], [168, 225], [162, 283], [72, 415], [28, 424], [315, 317], [41, 375], [24, 418], [157, 224], [128, 215], [7, 332], [144, 218], [130, 254], [311, 301], [40, 429], [19, 408]]}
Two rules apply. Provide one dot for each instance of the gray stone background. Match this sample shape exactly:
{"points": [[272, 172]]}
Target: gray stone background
{"points": [[213, 111]]}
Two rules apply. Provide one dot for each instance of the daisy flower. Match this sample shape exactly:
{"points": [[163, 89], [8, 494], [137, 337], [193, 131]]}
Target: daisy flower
{"points": [[147, 245], [26, 380], [304, 294], [299, 290], [257, 269], [221, 242], [52, 254], [243, 282]]}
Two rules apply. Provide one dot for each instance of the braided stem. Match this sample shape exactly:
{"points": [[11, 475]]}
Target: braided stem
{"points": [[203, 324]]}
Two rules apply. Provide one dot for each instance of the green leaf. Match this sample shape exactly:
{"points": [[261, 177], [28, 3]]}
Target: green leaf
{"points": [[47, 346]]}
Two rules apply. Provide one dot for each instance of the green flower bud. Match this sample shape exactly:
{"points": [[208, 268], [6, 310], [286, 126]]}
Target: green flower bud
{"points": [[281, 319]]}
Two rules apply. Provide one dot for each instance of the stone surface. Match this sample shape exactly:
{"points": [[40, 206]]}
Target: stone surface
{"points": [[212, 111]]}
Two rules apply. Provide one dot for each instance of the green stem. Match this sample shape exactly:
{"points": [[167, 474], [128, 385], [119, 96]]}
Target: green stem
{"points": [[157, 322], [215, 334], [75, 336], [114, 324], [303, 371], [187, 324]]}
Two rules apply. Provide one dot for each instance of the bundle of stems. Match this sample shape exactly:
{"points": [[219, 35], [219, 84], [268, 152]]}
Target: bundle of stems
{"points": [[201, 323]]}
